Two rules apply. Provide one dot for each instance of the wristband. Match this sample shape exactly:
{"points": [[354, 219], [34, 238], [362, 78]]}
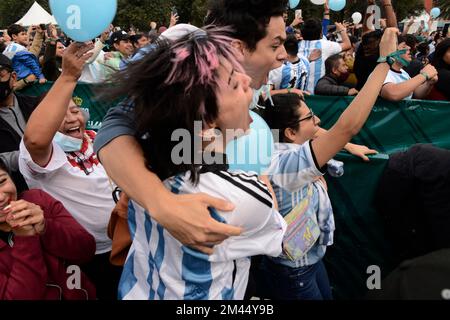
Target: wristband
{"points": [[425, 75]]}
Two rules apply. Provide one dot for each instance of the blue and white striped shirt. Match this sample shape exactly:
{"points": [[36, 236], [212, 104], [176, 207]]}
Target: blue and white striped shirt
{"points": [[293, 172], [159, 267], [291, 75], [317, 67]]}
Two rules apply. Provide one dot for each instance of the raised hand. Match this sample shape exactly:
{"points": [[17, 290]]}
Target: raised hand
{"points": [[75, 58]]}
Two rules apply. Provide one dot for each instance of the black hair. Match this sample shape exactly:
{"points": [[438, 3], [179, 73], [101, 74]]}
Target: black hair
{"points": [[401, 39], [312, 29], [291, 45], [248, 18], [423, 48], [441, 49], [135, 38], [15, 29], [3, 166], [410, 40], [283, 114], [173, 87], [353, 39], [332, 62]]}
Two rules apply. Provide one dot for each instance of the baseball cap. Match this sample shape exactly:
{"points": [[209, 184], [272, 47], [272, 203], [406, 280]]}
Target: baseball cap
{"points": [[5, 62], [119, 36]]}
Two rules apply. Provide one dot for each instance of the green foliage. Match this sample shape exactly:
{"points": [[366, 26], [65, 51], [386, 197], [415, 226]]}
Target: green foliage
{"points": [[403, 9], [139, 13], [12, 10], [444, 5]]}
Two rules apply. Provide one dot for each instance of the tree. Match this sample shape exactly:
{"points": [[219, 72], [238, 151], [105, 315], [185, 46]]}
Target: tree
{"points": [[403, 9], [139, 13], [13, 10], [444, 5]]}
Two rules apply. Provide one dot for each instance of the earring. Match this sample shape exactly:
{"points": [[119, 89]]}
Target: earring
{"points": [[212, 133]]}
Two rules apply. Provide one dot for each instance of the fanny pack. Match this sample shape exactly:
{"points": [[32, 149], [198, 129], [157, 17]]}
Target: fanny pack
{"points": [[302, 229]]}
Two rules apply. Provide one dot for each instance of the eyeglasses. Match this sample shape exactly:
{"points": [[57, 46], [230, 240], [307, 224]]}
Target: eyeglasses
{"points": [[310, 115]]}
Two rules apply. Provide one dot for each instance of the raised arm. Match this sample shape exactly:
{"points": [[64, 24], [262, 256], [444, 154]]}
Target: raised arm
{"points": [[51, 111], [420, 85], [391, 18], [186, 217], [356, 114]]}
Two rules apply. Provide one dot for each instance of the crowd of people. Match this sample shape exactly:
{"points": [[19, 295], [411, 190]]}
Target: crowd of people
{"points": [[189, 229]]}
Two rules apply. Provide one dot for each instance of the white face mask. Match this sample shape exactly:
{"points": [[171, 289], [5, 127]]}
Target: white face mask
{"points": [[257, 93], [67, 143]]}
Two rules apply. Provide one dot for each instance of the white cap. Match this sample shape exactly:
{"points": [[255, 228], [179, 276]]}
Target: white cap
{"points": [[176, 32]]}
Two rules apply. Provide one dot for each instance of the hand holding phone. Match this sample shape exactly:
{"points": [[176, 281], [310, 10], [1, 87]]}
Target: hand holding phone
{"points": [[298, 14]]}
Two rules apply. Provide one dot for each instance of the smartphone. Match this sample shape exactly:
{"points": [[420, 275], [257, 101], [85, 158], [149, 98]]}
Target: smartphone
{"points": [[2, 33], [43, 26], [298, 13], [174, 11]]}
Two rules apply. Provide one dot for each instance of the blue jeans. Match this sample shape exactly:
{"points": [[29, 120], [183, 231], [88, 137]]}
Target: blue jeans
{"points": [[285, 283]]}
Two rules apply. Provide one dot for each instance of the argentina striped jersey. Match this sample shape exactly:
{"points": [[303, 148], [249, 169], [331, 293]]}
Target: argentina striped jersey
{"points": [[290, 75], [159, 267], [317, 67]]}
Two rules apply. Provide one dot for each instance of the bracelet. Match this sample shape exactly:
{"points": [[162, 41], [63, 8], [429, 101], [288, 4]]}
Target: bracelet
{"points": [[425, 75], [387, 5], [389, 60]]}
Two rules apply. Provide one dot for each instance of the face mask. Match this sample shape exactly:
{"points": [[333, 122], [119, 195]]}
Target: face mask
{"points": [[5, 89], [265, 89], [397, 56], [68, 144]]}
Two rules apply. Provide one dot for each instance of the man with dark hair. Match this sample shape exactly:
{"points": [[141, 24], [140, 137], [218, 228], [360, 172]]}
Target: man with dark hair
{"points": [[336, 74], [122, 51], [14, 113], [400, 86], [260, 34], [259, 29], [416, 64], [313, 40]]}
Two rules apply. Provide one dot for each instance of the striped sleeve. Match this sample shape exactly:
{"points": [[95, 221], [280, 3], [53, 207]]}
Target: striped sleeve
{"points": [[294, 167]]}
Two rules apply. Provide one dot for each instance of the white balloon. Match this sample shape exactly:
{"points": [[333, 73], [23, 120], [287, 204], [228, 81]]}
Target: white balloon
{"points": [[318, 2], [357, 17]]}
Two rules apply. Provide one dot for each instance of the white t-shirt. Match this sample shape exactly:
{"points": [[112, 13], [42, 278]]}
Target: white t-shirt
{"points": [[87, 197], [94, 72], [398, 77], [317, 68]]}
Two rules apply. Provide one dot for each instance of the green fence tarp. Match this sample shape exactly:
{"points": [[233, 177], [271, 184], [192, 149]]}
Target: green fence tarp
{"points": [[84, 96], [359, 238]]}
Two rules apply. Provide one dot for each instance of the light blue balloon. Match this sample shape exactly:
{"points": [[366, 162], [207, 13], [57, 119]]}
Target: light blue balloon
{"points": [[83, 20], [252, 152], [435, 12], [293, 3], [337, 5]]}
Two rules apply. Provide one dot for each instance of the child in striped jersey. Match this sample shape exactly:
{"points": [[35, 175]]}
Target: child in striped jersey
{"points": [[296, 175], [196, 78]]}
